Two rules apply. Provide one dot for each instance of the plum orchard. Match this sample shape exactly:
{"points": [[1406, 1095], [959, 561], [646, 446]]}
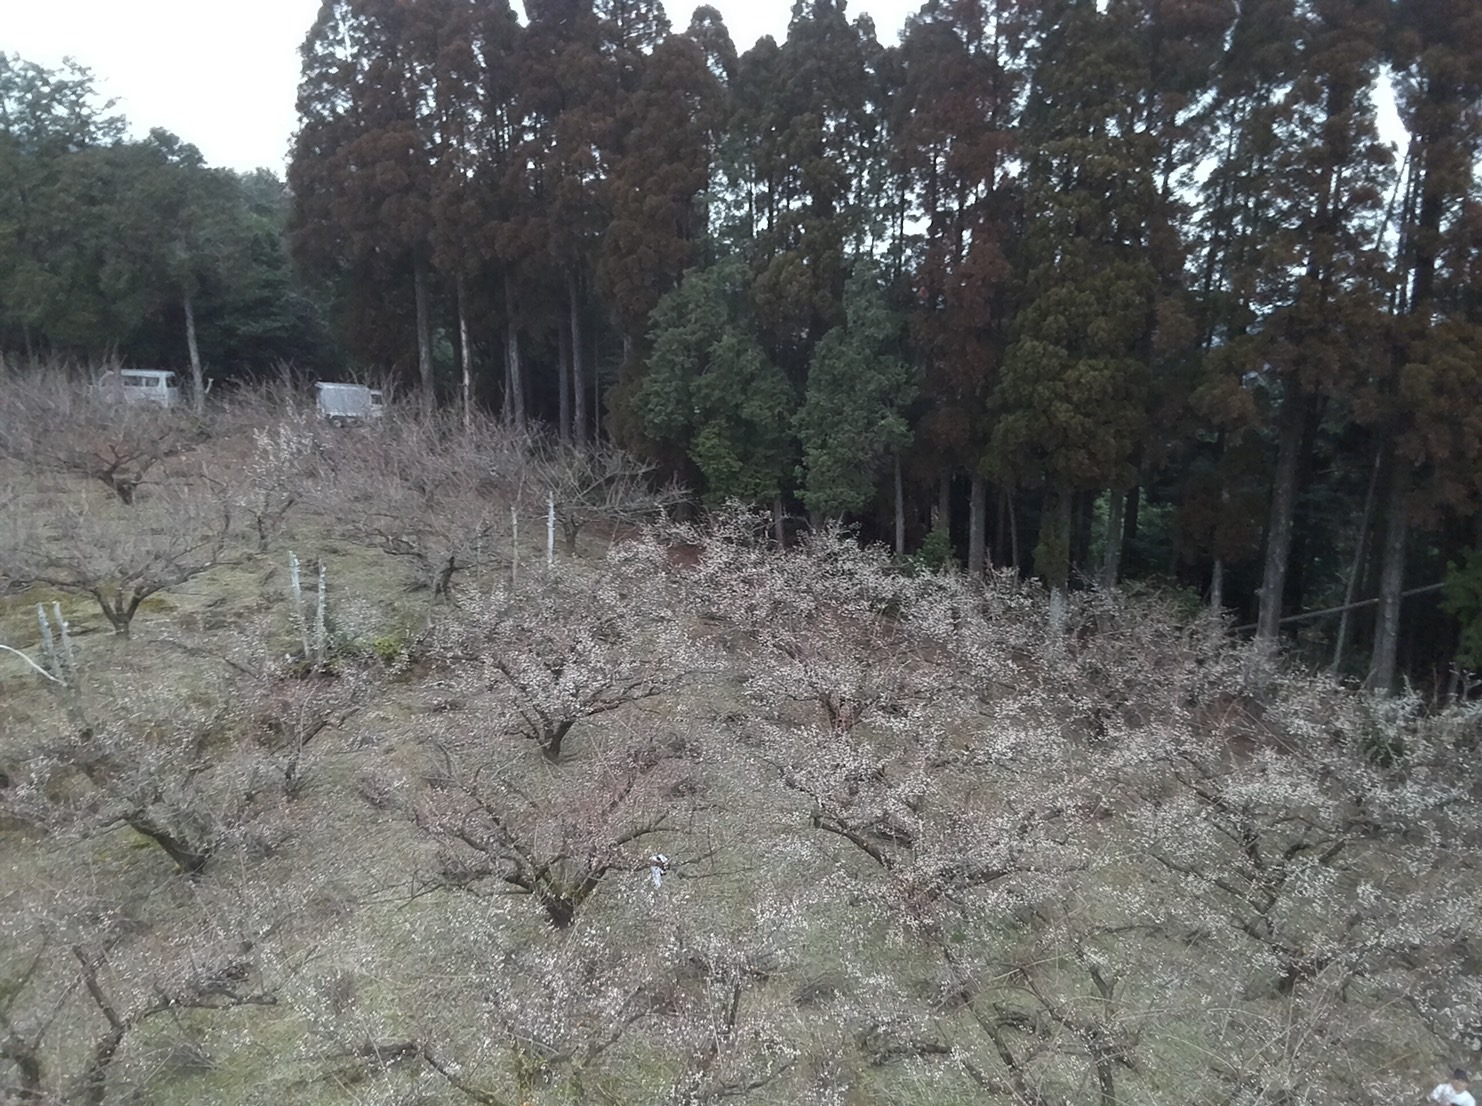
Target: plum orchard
{"points": [[909, 841]]}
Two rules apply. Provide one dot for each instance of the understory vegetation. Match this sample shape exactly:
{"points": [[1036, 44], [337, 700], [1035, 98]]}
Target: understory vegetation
{"points": [[324, 779]]}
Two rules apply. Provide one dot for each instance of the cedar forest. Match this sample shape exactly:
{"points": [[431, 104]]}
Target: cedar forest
{"points": [[1099, 292]]}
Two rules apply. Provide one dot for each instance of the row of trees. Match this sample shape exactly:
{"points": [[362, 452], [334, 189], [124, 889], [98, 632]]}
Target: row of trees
{"points": [[136, 248], [1109, 289]]}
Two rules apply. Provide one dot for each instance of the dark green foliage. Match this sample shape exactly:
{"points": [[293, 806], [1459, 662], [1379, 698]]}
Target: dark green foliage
{"points": [[853, 414], [1463, 602], [712, 391], [102, 240]]}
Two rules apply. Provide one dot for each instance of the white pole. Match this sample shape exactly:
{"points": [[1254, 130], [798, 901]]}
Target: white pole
{"points": [[550, 529], [319, 630], [514, 546], [298, 602]]}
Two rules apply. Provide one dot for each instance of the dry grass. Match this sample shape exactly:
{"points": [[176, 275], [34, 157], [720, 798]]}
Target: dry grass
{"points": [[331, 900]]}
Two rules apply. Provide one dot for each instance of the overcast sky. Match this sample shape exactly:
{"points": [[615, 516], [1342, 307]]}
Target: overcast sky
{"points": [[223, 73]]}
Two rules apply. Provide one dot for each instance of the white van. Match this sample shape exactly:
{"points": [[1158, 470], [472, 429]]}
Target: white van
{"points": [[346, 403], [157, 386]]}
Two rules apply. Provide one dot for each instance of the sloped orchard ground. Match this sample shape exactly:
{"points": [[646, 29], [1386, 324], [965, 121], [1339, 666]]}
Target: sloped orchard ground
{"points": [[736, 823]]}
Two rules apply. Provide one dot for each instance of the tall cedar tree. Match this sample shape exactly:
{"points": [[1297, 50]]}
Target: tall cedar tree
{"points": [[1321, 334], [568, 91], [805, 133], [362, 168], [1070, 408], [953, 136], [1223, 495], [448, 43], [660, 168], [1174, 54], [1426, 405]]}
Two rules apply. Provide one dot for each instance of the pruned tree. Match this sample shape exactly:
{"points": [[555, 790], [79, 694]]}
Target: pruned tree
{"points": [[1078, 883], [29, 1016], [52, 422], [109, 946], [830, 622], [677, 1012], [600, 483], [569, 646], [120, 556], [288, 707], [147, 768], [277, 477], [557, 837], [425, 491]]}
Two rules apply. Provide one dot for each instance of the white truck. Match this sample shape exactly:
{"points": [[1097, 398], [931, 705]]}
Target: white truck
{"points": [[343, 404], [159, 387]]}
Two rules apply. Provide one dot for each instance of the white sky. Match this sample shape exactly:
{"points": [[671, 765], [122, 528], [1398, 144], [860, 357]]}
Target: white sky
{"points": [[223, 74]]}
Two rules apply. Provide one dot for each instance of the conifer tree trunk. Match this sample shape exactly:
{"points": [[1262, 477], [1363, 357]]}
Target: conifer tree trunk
{"points": [[1111, 563], [900, 509], [1283, 511], [578, 379], [465, 358], [597, 387], [1013, 530], [1052, 554], [1391, 579], [563, 385], [424, 335], [977, 525], [514, 394], [197, 374], [1355, 572], [1217, 585]]}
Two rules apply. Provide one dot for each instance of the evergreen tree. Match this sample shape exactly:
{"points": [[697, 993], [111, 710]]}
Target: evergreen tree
{"points": [[953, 134], [854, 412], [1426, 406], [1321, 284], [55, 135], [801, 171], [1071, 405], [711, 391], [1231, 240], [362, 169]]}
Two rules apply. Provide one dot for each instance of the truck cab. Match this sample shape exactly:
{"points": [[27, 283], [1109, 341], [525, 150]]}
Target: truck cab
{"points": [[343, 404], [159, 387]]}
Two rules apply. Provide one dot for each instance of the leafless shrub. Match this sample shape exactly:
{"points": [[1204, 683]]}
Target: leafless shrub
{"points": [[569, 646], [826, 622], [285, 709], [35, 997], [422, 489], [600, 483], [276, 476], [557, 838], [52, 422], [121, 556]]}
